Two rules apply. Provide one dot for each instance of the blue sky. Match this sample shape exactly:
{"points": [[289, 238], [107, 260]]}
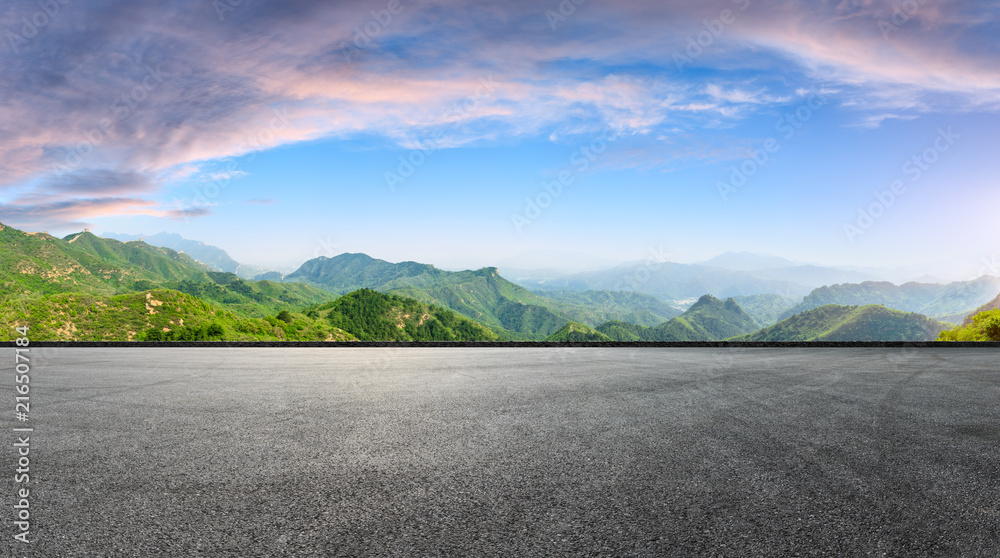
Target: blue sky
{"points": [[463, 133]]}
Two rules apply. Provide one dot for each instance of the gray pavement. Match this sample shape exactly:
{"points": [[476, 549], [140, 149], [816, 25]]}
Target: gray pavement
{"points": [[509, 452]]}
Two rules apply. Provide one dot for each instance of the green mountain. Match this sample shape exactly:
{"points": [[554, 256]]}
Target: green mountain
{"points": [[574, 331], [482, 295], [349, 272], [84, 263], [373, 316], [41, 263], [87, 264], [85, 287], [709, 319], [939, 301], [156, 315], [834, 322]]}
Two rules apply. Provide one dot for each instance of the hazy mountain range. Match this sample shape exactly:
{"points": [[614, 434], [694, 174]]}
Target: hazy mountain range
{"points": [[87, 287], [951, 302], [212, 256]]}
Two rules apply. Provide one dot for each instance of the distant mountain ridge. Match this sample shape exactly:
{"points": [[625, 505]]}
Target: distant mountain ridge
{"points": [[708, 319], [676, 281], [667, 280], [765, 309], [214, 257], [748, 261], [636, 308], [952, 301]]}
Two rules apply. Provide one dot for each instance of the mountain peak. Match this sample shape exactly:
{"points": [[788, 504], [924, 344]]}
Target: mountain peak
{"points": [[85, 234], [706, 300], [349, 257]]}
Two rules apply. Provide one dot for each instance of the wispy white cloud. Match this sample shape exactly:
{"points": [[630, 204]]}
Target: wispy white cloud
{"points": [[876, 120], [226, 175]]}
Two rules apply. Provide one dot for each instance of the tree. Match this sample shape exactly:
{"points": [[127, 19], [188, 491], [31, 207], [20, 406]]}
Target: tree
{"points": [[985, 326]]}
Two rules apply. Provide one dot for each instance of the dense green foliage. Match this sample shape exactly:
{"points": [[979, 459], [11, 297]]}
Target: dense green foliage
{"points": [[166, 315], [373, 316], [833, 322], [577, 332], [253, 299], [984, 326], [623, 331], [159, 314], [205, 332]]}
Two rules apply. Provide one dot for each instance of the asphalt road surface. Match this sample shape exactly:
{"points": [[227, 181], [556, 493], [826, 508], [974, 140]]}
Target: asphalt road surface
{"points": [[508, 452]]}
